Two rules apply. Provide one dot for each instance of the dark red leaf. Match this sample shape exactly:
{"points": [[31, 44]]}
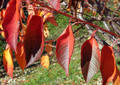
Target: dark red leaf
{"points": [[90, 58], [11, 23], [108, 65], [34, 39], [55, 4], [64, 48]]}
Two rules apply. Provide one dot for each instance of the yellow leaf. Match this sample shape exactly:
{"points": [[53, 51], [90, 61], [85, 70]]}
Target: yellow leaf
{"points": [[45, 61], [42, 13], [8, 61], [46, 31]]}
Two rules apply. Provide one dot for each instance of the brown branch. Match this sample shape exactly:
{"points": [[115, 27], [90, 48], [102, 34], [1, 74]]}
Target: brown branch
{"points": [[70, 16]]}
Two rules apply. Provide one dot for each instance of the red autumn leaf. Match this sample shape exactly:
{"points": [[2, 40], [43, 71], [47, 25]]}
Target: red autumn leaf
{"points": [[34, 39], [108, 65], [8, 61], [11, 23], [64, 48], [55, 4], [52, 21], [90, 58], [20, 55]]}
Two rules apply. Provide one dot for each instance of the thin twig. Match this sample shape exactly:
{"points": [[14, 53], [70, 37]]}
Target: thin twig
{"points": [[115, 42]]}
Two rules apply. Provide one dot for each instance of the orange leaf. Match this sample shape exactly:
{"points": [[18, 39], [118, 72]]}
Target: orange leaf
{"points": [[90, 58], [8, 61], [64, 48], [45, 61], [3, 13], [20, 55], [1, 28], [108, 65], [116, 80], [48, 48], [11, 23]]}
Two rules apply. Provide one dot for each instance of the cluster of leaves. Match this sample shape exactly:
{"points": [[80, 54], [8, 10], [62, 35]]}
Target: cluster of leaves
{"points": [[92, 59], [27, 39]]}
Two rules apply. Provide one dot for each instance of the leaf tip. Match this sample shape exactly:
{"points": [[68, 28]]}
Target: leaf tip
{"points": [[10, 72]]}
